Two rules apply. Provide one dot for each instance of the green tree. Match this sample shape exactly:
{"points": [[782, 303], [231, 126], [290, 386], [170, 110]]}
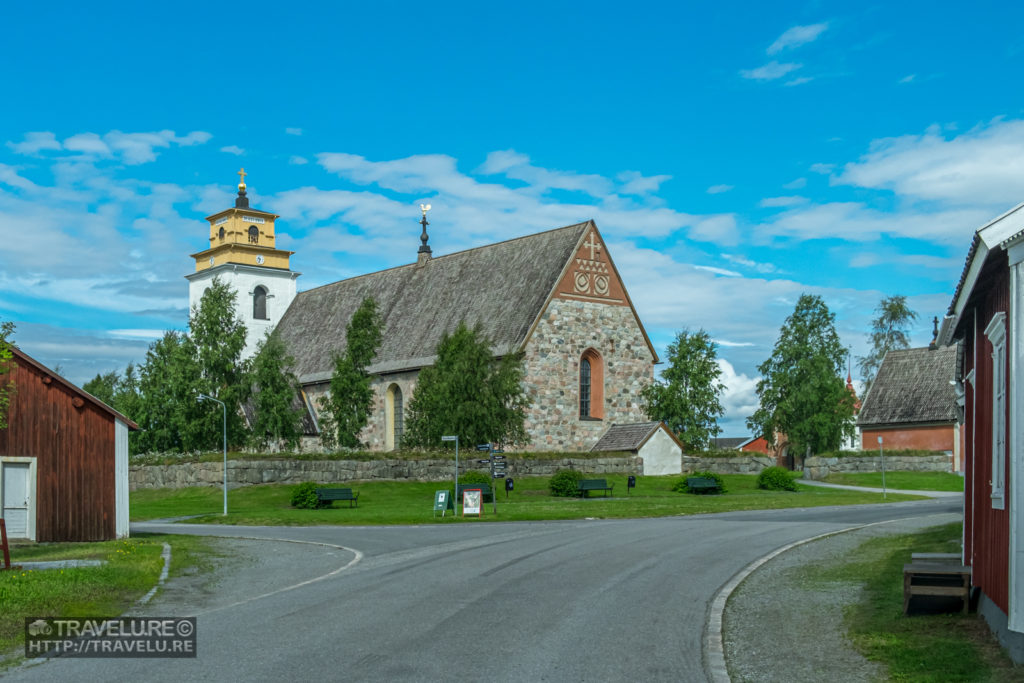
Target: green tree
{"points": [[346, 409], [802, 393], [275, 390], [170, 416], [126, 393], [889, 330], [217, 337], [103, 386], [687, 397], [467, 391], [6, 366]]}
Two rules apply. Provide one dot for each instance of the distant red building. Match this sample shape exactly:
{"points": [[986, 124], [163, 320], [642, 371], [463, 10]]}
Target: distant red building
{"points": [[63, 460], [987, 318]]}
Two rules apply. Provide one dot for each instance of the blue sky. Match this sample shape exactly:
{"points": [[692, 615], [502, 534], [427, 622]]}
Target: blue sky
{"points": [[734, 155]]}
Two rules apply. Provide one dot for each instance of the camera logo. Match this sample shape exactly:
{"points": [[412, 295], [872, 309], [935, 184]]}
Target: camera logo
{"points": [[40, 627]]}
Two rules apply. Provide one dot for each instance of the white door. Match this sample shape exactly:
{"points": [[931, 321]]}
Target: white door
{"points": [[15, 496]]}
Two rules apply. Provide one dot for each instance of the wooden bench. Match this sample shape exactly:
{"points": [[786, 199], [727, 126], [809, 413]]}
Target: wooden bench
{"points": [[486, 494], [932, 578], [703, 485], [587, 485], [326, 497]]}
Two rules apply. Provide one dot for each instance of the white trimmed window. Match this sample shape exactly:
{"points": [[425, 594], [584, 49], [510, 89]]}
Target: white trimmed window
{"points": [[996, 334]]}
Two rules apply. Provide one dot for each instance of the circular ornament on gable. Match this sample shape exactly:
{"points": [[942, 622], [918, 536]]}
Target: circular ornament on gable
{"points": [[582, 282], [601, 284]]}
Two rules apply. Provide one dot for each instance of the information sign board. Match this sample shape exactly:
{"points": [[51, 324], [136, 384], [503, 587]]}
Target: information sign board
{"points": [[472, 500], [443, 501]]}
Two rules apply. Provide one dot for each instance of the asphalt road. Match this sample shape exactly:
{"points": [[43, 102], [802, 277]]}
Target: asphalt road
{"points": [[601, 600]]}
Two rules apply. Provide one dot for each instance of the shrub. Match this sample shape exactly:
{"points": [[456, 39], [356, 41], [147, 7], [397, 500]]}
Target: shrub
{"points": [[776, 479], [681, 487], [565, 483], [304, 496], [474, 477]]}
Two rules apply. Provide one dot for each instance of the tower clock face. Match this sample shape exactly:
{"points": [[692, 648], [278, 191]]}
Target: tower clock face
{"points": [[259, 259]]}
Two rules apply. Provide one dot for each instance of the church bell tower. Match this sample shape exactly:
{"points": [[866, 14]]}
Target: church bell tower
{"points": [[243, 253]]}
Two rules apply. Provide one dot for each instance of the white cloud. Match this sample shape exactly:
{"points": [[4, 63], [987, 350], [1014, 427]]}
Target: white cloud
{"points": [[233, 149], [769, 72], [732, 344], [719, 271], [981, 167], [137, 334], [635, 183], [773, 202], [739, 399], [799, 81], [517, 166], [747, 263], [823, 169], [293, 131], [35, 143], [296, 160], [719, 189], [87, 143], [797, 36], [908, 79], [797, 184]]}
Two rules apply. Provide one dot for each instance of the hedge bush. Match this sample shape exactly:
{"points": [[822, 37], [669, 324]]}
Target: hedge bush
{"points": [[474, 477], [776, 479], [565, 483], [681, 487], [304, 496]]}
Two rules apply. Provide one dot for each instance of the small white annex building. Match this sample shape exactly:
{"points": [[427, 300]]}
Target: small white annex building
{"points": [[654, 442]]}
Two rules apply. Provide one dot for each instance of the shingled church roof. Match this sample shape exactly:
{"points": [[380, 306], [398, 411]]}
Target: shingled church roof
{"points": [[628, 437], [502, 286], [913, 386]]}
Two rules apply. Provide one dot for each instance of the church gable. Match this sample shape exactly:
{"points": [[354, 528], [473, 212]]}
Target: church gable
{"points": [[591, 276]]}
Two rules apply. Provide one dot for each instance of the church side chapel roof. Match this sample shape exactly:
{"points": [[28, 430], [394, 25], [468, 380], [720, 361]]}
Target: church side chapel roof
{"points": [[913, 386], [629, 437], [502, 286]]}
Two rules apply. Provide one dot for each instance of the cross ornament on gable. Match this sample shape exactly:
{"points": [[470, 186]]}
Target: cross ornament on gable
{"points": [[593, 245]]}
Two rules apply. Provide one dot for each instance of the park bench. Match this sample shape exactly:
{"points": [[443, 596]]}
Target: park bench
{"points": [[702, 485], [927, 578], [486, 494], [587, 485], [326, 497]]}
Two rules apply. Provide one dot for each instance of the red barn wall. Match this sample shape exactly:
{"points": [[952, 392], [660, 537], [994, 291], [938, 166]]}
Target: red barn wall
{"points": [[986, 531], [933, 438], [74, 452]]}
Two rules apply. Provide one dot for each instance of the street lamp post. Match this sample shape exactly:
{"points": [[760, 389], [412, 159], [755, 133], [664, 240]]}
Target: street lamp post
{"points": [[224, 408], [881, 455]]}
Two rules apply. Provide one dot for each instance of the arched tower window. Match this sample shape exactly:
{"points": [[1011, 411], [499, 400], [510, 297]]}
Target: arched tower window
{"points": [[591, 385], [259, 303], [221, 233], [254, 234], [394, 418]]}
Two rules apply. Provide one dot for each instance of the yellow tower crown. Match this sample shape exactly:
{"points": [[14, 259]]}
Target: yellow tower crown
{"points": [[242, 236]]}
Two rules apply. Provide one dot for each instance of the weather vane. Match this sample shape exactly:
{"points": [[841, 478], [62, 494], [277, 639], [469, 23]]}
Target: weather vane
{"points": [[424, 249]]}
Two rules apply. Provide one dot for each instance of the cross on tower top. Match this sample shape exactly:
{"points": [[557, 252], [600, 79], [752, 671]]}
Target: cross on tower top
{"points": [[593, 245], [241, 178]]}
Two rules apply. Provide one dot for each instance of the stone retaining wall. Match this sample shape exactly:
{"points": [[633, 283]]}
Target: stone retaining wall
{"points": [[817, 467], [248, 472]]}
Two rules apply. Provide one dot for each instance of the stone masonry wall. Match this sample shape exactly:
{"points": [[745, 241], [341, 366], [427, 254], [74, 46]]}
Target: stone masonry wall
{"points": [[565, 331], [249, 472], [817, 467]]}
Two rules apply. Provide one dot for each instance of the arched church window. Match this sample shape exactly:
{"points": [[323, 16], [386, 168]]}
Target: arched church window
{"points": [[254, 234], [591, 385], [221, 233], [259, 303], [394, 418]]}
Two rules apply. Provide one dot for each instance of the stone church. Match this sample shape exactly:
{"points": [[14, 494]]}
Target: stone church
{"points": [[555, 295]]}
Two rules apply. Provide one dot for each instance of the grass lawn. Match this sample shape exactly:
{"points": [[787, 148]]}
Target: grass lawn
{"points": [[132, 569], [909, 481], [389, 502], [932, 648]]}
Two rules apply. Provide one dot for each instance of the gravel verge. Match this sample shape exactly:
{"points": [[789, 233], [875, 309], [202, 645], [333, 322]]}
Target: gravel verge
{"points": [[779, 628]]}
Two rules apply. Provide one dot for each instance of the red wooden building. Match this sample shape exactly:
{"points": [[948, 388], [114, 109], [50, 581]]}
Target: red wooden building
{"points": [[987, 317], [63, 460]]}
